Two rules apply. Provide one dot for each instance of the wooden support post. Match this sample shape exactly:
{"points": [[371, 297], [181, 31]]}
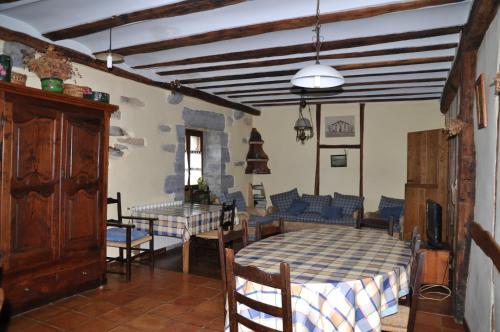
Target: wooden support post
{"points": [[361, 138], [318, 149], [466, 184]]}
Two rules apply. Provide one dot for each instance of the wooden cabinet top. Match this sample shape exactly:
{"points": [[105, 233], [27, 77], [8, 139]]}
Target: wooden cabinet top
{"points": [[6, 87]]}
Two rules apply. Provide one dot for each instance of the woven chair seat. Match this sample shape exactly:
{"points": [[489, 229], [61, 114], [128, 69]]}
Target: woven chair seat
{"points": [[397, 322]]}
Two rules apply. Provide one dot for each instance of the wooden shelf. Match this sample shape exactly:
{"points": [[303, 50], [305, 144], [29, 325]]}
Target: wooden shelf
{"points": [[258, 160], [256, 142], [256, 157]]}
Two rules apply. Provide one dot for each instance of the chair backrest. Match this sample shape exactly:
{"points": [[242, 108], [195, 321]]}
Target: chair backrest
{"points": [[415, 283], [226, 238], [266, 230], [251, 273], [118, 202], [227, 223], [414, 235]]}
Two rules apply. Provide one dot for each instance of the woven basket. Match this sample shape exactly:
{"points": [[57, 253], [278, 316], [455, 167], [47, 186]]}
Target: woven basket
{"points": [[73, 90], [17, 78]]}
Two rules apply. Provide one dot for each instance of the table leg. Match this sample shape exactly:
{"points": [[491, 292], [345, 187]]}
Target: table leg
{"points": [[185, 257]]}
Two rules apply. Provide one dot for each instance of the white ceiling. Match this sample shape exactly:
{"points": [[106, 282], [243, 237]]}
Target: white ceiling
{"points": [[38, 17]]}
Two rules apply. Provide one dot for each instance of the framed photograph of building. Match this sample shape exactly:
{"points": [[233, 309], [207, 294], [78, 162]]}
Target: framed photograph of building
{"points": [[338, 160], [339, 126]]}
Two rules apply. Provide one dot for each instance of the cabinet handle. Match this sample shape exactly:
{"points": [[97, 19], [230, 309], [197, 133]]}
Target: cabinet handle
{"points": [[84, 273], [27, 289]]}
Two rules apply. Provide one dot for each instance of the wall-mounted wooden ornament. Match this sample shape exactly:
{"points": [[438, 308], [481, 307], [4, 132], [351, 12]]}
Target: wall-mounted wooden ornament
{"points": [[256, 157]]}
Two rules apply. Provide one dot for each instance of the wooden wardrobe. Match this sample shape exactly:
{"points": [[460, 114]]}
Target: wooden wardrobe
{"points": [[54, 159], [427, 178]]}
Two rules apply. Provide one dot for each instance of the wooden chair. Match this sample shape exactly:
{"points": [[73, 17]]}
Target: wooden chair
{"points": [[251, 273], [414, 237], [376, 223], [124, 236], [266, 230], [224, 223], [227, 238], [404, 319]]}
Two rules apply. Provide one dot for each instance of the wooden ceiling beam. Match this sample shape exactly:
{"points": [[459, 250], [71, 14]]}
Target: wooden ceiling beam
{"points": [[230, 85], [354, 66], [339, 97], [482, 14], [353, 101], [75, 56], [308, 48], [277, 62], [319, 92], [291, 87], [287, 24], [170, 10]]}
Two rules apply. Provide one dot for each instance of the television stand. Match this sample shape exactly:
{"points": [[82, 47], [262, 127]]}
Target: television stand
{"points": [[437, 265]]}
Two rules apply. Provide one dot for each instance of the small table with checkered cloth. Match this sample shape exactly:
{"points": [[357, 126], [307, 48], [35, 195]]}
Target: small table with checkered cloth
{"points": [[342, 278], [182, 220]]}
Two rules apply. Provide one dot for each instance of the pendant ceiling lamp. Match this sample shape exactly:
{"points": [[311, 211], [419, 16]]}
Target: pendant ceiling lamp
{"points": [[109, 57], [303, 126], [317, 76]]}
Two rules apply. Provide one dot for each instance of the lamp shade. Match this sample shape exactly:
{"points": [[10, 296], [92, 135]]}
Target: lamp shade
{"points": [[317, 76]]}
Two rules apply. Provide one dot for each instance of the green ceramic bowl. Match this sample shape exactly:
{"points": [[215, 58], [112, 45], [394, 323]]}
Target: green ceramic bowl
{"points": [[98, 96], [52, 84]]}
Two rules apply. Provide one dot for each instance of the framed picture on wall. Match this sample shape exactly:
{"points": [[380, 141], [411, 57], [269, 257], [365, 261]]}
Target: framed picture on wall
{"points": [[481, 112], [338, 160], [339, 126]]}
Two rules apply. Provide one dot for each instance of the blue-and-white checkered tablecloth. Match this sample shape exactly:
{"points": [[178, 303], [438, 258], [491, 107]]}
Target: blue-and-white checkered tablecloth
{"points": [[342, 278], [181, 220]]}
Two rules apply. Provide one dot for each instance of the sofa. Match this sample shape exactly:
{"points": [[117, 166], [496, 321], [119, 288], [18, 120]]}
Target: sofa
{"points": [[390, 207]]}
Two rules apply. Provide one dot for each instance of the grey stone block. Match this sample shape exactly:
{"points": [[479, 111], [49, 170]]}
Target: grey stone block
{"points": [[181, 134], [117, 115], [174, 184], [227, 181], [114, 152], [238, 115], [132, 101], [164, 128], [116, 131], [229, 120], [239, 163], [225, 156], [120, 147], [179, 168], [244, 140], [133, 141], [203, 119], [169, 148]]}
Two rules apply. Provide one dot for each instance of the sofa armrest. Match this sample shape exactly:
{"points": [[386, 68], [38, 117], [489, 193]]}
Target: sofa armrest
{"points": [[243, 215], [374, 214], [271, 209], [256, 211], [358, 214]]}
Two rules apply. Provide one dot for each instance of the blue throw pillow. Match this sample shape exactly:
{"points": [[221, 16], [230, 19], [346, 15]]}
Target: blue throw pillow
{"points": [[284, 200], [316, 202], [388, 212], [348, 203], [298, 207], [331, 212], [390, 202]]}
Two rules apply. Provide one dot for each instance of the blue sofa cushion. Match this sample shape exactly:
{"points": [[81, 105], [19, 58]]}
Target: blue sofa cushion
{"points": [[298, 207], [116, 234], [241, 204], [390, 202], [316, 202], [348, 203], [331, 212], [388, 212], [262, 219], [314, 218], [283, 201]]}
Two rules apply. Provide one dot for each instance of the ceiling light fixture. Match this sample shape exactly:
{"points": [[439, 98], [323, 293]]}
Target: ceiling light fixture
{"points": [[303, 126], [317, 76], [109, 57]]}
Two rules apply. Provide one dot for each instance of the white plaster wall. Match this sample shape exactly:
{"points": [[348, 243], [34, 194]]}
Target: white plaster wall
{"points": [[480, 285], [386, 127]]}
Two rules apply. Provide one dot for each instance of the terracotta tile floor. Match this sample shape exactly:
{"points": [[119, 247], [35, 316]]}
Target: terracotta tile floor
{"points": [[163, 300]]}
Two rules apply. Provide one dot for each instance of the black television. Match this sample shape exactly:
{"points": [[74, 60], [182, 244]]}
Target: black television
{"points": [[433, 223]]}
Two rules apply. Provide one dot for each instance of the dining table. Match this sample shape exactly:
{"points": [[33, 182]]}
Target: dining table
{"points": [[181, 220], [342, 278]]}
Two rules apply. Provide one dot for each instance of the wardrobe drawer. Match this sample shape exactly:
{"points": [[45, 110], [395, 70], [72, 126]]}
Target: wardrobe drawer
{"points": [[80, 276], [30, 291]]}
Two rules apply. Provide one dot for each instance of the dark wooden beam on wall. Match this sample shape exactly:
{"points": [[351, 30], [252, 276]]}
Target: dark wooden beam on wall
{"points": [[486, 242], [287, 24], [361, 145], [231, 85], [278, 62], [352, 101], [482, 14], [353, 66], [170, 10], [339, 146], [307, 48], [466, 179], [41, 46], [318, 149]]}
